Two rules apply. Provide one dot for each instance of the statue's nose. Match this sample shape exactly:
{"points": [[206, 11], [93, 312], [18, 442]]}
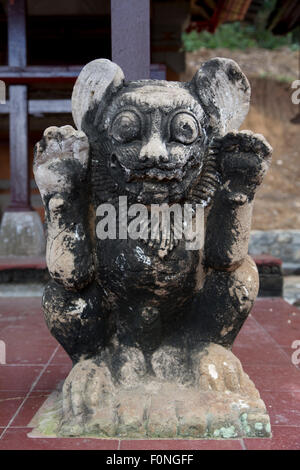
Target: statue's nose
{"points": [[154, 150]]}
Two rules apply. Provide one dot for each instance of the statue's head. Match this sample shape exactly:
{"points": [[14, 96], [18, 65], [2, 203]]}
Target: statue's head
{"points": [[153, 135]]}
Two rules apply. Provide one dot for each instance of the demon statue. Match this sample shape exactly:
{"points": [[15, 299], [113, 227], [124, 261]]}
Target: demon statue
{"points": [[148, 323]]}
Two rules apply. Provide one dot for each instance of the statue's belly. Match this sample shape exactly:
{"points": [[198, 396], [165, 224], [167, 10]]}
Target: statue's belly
{"points": [[135, 274]]}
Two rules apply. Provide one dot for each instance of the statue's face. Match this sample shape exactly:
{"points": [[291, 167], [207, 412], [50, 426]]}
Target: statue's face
{"points": [[155, 141], [148, 139]]}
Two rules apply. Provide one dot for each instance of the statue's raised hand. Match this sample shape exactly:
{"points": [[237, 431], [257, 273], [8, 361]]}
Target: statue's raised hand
{"points": [[61, 160], [243, 159]]}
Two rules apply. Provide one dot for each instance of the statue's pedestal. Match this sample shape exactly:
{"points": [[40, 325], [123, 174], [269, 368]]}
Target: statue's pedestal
{"points": [[218, 407]]}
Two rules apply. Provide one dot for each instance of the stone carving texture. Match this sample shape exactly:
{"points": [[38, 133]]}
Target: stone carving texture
{"points": [[149, 325]]}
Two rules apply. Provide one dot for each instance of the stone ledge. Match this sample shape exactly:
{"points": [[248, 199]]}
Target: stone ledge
{"points": [[283, 244], [22, 262], [267, 260], [270, 275], [23, 269]]}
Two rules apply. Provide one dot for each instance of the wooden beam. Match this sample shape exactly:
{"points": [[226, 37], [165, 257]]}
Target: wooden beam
{"points": [[42, 107], [18, 109], [49, 106], [33, 74], [130, 37], [58, 106]]}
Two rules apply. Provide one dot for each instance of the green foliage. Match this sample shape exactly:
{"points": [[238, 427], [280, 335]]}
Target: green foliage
{"points": [[236, 36], [279, 78]]}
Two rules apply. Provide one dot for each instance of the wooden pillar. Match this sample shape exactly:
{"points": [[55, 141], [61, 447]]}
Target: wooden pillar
{"points": [[130, 37], [21, 231], [18, 147], [18, 119]]}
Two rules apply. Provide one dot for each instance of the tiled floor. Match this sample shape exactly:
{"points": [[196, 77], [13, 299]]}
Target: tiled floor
{"points": [[35, 364]]}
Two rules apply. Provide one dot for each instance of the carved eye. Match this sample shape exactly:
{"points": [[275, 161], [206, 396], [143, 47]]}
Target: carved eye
{"points": [[126, 127], [184, 128]]}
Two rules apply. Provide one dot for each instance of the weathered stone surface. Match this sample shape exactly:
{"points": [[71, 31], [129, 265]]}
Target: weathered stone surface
{"points": [[283, 244], [221, 403], [21, 234], [292, 290], [149, 321]]}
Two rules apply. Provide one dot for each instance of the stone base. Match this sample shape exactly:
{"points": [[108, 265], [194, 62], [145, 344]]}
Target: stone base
{"points": [[223, 404], [206, 415], [21, 234]]}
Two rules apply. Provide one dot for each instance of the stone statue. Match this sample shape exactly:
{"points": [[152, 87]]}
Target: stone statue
{"points": [[149, 324]]}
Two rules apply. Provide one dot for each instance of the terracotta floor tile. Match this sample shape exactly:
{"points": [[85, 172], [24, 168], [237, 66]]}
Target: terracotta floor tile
{"points": [[30, 408], [294, 355], [280, 319], [249, 326], [181, 444], [278, 378], [269, 304], [18, 377], [271, 323], [284, 438], [283, 407], [16, 308], [61, 357], [283, 332], [9, 404], [264, 352], [52, 376], [27, 345], [17, 439], [253, 345]]}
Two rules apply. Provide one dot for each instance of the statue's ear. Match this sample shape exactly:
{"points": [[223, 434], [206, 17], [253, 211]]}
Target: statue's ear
{"points": [[90, 87], [224, 92]]}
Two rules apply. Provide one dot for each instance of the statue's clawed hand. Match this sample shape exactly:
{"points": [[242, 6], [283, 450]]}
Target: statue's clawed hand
{"points": [[243, 159], [61, 160]]}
